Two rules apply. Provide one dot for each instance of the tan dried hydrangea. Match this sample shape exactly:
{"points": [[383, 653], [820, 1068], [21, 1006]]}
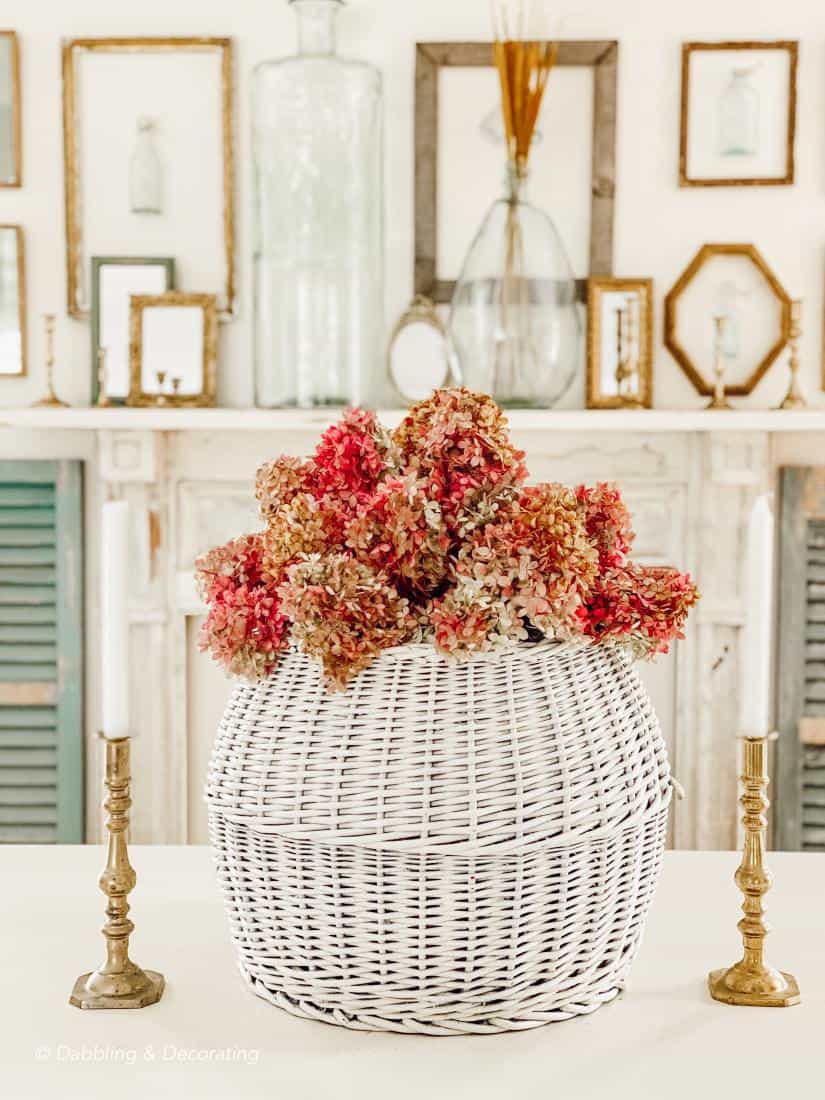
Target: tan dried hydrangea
{"points": [[343, 613], [277, 482]]}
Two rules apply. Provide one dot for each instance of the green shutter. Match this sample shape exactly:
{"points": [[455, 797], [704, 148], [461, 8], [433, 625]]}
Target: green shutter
{"points": [[41, 652]]}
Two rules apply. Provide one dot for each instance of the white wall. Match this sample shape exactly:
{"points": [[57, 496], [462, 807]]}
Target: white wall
{"points": [[658, 226]]}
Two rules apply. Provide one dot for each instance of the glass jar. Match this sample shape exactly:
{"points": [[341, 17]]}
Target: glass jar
{"points": [[514, 322], [739, 116], [318, 251]]}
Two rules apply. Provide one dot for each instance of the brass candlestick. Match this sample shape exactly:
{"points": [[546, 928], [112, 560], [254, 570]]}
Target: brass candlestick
{"points": [[751, 981], [119, 983], [103, 400], [719, 399], [50, 400], [627, 365], [795, 397]]}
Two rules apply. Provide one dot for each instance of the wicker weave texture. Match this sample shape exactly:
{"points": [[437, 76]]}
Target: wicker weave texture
{"points": [[443, 848]]}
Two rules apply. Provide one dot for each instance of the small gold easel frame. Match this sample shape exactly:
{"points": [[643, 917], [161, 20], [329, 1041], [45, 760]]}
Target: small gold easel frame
{"points": [[167, 394]]}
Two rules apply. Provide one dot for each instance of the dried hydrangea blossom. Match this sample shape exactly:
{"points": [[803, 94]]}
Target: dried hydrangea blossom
{"points": [[351, 458], [536, 557], [607, 521], [642, 605], [459, 440], [468, 619], [304, 526], [429, 535], [400, 532], [277, 482], [343, 613], [245, 629]]}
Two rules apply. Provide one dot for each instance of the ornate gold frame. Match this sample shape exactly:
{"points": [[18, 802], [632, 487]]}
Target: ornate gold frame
{"points": [[595, 288], [17, 122], [701, 384], [21, 298], [76, 47], [688, 48], [603, 58], [141, 302]]}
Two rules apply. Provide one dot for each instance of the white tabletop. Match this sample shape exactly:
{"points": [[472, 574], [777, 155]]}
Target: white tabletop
{"points": [[210, 1037]]}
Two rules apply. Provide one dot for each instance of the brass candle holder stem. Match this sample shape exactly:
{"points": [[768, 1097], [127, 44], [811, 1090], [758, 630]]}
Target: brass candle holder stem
{"points": [[119, 983], [50, 400], [719, 399], [795, 397], [751, 981]]}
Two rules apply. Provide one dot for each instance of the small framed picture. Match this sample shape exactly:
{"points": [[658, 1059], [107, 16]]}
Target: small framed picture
{"points": [[619, 343], [114, 280], [738, 114], [12, 302], [173, 349], [11, 138]]}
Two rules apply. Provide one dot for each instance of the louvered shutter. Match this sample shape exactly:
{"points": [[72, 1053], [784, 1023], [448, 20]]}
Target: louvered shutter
{"points": [[800, 796], [41, 650], [813, 721]]}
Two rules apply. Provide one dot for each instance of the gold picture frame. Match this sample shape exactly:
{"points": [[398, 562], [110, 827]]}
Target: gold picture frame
{"points": [[688, 51], [16, 180], [628, 383], [701, 383], [72, 51], [21, 301], [139, 395]]}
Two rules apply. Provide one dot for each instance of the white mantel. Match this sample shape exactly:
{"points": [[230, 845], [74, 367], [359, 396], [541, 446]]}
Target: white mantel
{"points": [[297, 420], [690, 479]]}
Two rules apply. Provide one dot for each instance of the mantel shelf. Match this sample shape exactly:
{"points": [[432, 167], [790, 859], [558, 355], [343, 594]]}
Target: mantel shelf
{"points": [[300, 420]]}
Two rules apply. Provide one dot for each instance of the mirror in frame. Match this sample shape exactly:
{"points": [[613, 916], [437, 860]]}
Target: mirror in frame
{"points": [[12, 302], [418, 356]]}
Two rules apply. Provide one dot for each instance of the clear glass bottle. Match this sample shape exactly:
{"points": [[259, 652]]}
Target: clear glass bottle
{"points": [[739, 116], [514, 321], [145, 173], [319, 221]]}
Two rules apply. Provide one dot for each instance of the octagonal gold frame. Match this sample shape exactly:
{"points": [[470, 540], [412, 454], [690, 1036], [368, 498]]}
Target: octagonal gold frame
{"points": [[707, 252]]}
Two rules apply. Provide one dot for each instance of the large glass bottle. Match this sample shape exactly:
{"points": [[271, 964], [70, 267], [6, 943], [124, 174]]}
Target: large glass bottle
{"points": [[319, 221], [514, 321]]}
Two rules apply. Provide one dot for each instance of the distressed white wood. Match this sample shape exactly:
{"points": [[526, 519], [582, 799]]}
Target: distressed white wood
{"points": [[312, 421], [688, 483]]}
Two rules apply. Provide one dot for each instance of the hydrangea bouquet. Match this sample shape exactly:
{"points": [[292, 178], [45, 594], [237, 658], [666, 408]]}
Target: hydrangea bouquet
{"points": [[429, 534]]}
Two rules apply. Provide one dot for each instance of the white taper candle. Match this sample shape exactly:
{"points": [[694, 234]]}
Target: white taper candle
{"points": [[114, 618], [757, 634]]}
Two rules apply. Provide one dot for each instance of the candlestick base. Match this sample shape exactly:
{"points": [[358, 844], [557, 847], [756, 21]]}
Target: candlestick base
{"points": [[134, 988], [766, 987], [119, 983]]}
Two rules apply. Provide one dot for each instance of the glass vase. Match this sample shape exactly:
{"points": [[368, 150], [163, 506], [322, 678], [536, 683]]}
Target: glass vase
{"points": [[318, 252], [514, 323]]}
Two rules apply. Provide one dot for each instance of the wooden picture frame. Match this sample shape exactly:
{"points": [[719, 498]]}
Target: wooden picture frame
{"points": [[99, 264], [139, 395], [21, 302], [689, 49], [16, 179], [701, 383], [600, 395], [73, 51], [430, 57]]}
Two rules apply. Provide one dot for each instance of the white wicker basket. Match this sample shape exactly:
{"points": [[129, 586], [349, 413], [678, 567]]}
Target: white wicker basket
{"points": [[442, 848]]}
